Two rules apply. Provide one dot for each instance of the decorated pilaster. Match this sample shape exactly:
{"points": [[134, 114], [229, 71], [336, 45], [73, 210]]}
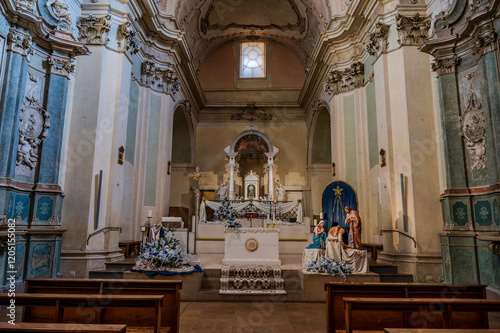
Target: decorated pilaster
{"points": [[232, 170], [467, 86]]}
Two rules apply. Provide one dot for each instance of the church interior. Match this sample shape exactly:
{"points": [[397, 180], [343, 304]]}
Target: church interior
{"points": [[237, 154]]}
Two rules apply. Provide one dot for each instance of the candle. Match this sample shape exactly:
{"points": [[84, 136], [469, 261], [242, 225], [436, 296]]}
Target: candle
{"points": [[321, 215], [315, 222], [150, 213]]}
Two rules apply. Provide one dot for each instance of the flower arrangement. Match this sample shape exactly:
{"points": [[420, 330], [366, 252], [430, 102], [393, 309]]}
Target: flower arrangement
{"points": [[163, 253], [330, 266], [225, 212], [233, 224]]}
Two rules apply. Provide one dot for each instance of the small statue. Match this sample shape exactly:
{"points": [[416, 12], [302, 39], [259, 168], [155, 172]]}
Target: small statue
{"points": [[221, 192], [60, 9], [280, 192]]}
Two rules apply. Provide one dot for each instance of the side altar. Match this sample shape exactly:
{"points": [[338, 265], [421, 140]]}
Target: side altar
{"points": [[251, 246]]}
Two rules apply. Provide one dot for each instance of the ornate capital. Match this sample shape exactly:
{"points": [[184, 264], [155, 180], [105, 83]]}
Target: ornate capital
{"points": [[61, 66], [94, 30], [378, 43], [19, 42], [162, 80], [412, 30], [346, 80], [445, 66], [127, 38], [485, 43]]}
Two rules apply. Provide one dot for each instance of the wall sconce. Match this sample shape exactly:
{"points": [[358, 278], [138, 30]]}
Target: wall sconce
{"points": [[169, 164], [121, 152], [333, 169], [143, 227], [382, 158]]}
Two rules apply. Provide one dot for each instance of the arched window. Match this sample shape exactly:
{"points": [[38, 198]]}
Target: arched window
{"points": [[181, 138], [322, 142]]}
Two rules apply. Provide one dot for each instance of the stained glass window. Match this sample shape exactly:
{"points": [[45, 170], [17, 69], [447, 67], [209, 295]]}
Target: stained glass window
{"points": [[253, 60]]}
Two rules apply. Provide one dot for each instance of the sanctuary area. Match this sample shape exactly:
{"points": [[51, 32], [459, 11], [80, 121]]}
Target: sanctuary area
{"points": [[157, 153]]}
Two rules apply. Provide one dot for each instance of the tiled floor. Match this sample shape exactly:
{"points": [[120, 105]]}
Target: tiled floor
{"points": [[260, 317], [257, 317]]}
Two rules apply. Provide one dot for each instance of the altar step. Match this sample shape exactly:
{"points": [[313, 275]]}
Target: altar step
{"points": [[389, 273]]}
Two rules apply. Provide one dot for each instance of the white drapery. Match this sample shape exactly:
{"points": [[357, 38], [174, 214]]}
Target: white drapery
{"points": [[273, 208]]}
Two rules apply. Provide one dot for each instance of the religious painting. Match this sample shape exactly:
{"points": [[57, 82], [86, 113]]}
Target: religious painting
{"points": [[251, 146]]}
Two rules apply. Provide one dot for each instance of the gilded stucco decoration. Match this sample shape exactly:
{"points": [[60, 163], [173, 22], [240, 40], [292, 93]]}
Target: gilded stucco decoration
{"points": [[33, 128], [164, 80], [343, 81], [484, 43], [378, 41], [127, 38], [94, 30], [413, 30], [473, 130]]}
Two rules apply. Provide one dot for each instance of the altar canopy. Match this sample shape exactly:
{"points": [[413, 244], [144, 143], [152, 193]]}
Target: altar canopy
{"points": [[267, 208], [335, 197]]}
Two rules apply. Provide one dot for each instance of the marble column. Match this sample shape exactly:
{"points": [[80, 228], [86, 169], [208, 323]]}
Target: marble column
{"points": [[232, 169], [270, 178]]}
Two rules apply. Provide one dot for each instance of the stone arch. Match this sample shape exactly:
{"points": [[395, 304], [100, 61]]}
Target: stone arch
{"points": [[320, 112], [182, 115], [250, 130]]}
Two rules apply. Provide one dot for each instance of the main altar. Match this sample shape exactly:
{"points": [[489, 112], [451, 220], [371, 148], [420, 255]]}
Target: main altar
{"points": [[251, 246]]}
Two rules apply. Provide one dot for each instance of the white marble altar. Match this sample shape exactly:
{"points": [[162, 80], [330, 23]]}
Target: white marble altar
{"points": [[251, 246], [172, 221]]}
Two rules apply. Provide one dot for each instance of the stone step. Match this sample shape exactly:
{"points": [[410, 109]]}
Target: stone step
{"points": [[214, 296], [122, 265], [383, 268], [106, 274], [210, 283], [396, 278]]}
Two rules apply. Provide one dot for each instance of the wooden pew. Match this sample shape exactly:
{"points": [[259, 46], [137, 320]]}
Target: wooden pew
{"points": [[336, 291], [445, 306], [436, 330], [170, 289], [62, 328], [62, 301]]}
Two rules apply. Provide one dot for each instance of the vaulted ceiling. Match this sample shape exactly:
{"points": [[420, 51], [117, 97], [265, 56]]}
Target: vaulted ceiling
{"points": [[297, 24]]}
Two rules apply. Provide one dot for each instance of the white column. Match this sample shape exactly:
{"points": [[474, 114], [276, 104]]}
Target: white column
{"points": [[270, 167], [232, 168]]}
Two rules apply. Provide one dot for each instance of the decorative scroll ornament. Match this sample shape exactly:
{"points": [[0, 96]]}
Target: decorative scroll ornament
{"points": [[33, 128], [19, 42], [59, 10], [251, 113], [484, 43], [127, 38], [412, 30], [473, 129], [94, 30], [162, 80], [378, 42], [445, 65], [61, 66], [342, 81], [27, 5], [495, 248]]}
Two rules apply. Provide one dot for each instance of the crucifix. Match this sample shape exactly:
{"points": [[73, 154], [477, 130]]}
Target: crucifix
{"points": [[196, 176]]}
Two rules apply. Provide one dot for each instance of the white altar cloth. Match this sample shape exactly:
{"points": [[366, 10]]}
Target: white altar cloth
{"points": [[251, 246]]}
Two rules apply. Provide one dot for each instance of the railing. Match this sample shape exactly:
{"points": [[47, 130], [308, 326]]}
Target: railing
{"points": [[102, 230], [402, 233], [290, 216]]}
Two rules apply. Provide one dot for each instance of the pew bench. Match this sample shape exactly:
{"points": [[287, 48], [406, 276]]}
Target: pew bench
{"points": [[336, 291], [61, 328], [170, 289], [61, 301], [446, 306], [427, 330]]}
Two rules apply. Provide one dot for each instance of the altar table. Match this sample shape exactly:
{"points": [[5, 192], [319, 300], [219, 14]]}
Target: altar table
{"points": [[251, 246]]}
